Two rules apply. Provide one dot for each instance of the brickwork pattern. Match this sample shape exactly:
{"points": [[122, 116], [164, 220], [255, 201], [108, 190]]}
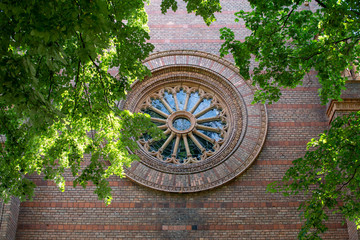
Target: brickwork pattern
{"points": [[353, 232], [9, 218], [239, 209]]}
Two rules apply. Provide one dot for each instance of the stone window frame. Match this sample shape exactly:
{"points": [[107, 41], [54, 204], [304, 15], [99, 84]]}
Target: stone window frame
{"points": [[236, 156]]}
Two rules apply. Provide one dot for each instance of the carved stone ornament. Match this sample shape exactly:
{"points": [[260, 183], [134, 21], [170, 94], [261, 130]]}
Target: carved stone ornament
{"points": [[213, 132]]}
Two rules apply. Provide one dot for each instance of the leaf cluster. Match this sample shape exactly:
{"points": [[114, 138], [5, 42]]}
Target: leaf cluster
{"points": [[204, 8], [328, 175]]}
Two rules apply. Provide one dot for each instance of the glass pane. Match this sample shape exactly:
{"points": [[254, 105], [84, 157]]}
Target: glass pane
{"points": [[205, 103], [152, 113], [181, 152], [207, 145], [213, 135], [170, 100], [156, 145], [181, 124], [194, 150], [159, 105], [181, 97], [194, 98], [169, 149], [211, 113]]}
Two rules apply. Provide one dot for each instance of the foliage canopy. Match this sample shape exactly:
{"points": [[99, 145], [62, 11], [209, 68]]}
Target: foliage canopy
{"points": [[58, 100], [289, 40]]}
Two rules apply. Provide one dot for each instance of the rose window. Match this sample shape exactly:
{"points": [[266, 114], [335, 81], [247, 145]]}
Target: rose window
{"points": [[212, 132], [194, 122]]}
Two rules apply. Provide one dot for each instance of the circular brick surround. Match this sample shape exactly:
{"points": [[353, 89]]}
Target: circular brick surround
{"points": [[247, 128]]}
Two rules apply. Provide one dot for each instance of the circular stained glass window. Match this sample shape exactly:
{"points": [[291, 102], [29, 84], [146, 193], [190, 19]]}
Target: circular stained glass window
{"points": [[212, 131], [193, 120]]}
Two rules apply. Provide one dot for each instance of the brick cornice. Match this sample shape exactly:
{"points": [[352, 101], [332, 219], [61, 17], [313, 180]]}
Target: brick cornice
{"points": [[347, 105]]}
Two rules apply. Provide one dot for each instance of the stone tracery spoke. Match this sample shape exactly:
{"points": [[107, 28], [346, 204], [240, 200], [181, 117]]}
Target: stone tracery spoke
{"points": [[176, 102], [166, 105], [193, 138], [186, 101], [210, 119], [206, 128], [207, 138], [176, 146], [158, 111], [196, 105], [158, 120], [166, 143], [199, 114], [163, 127]]}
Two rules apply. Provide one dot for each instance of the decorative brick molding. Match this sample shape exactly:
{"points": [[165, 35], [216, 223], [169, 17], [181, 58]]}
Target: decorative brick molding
{"points": [[247, 122], [347, 105]]}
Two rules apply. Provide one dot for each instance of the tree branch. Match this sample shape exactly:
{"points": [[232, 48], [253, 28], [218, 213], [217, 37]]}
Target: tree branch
{"points": [[321, 4], [78, 73], [38, 66], [351, 178], [76, 82], [51, 84], [345, 39], [357, 13], [287, 17], [101, 80]]}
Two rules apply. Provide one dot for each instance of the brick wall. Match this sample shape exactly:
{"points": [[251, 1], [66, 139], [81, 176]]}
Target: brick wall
{"points": [[353, 232], [8, 219], [240, 209]]}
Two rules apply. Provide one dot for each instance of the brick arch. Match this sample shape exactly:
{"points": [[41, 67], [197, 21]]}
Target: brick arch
{"points": [[221, 76]]}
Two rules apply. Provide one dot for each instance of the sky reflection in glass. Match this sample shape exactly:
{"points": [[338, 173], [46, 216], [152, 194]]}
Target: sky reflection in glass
{"points": [[181, 97], [181, 124], [170, 100], [193, 99]]}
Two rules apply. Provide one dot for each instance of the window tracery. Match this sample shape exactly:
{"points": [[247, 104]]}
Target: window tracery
{"points": [[243, 125], [193, 120]]}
